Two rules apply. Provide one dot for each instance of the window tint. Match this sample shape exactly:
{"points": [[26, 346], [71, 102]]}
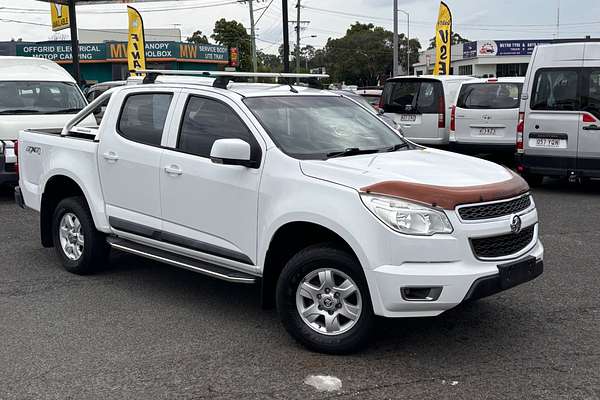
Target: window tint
{"points": [[206, 121], [408, 95], [591, 100], [489, 95], [556, 89], [143, 117]]}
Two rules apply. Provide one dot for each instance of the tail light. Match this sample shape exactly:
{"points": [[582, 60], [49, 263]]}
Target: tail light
{"points": [[16, 149], [520, 129], [442, 113], [588, 118], [453, 119]]}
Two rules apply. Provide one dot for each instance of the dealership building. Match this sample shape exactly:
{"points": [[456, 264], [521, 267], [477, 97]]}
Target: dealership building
{"points": [[486, 58], [103, 55]]}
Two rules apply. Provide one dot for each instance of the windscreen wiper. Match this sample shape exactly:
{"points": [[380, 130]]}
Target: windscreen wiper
{"points": [[351, 151], [19, 111], [396, 147], [64, 111]]}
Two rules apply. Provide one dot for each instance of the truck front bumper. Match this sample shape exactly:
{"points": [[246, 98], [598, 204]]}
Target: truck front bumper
{"points": [[442, 285]]}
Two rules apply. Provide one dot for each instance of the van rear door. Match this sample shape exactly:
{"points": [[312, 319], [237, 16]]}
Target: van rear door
{"points": [[487, 112], [551, 129], [415, 104], [588, 154]]}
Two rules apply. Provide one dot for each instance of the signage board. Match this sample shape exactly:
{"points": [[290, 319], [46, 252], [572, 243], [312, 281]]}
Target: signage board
{"points": [[488, 48], [60, 16]]}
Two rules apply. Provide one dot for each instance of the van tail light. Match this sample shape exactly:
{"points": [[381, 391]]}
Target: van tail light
{"points": [[16, 149], [441, 113], [453, 119], [520, 129], [588, 118]]}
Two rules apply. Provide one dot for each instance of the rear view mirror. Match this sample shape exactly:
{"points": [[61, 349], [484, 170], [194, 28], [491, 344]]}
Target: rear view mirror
{"points": [[232, 152]]}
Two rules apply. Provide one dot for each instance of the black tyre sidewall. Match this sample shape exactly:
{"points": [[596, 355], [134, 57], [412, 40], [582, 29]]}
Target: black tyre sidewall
{"points": [[94, 250], [306, 261]]}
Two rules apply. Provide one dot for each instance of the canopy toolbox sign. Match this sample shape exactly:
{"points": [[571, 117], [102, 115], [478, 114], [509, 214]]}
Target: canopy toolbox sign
{"points": [[59, 14]]}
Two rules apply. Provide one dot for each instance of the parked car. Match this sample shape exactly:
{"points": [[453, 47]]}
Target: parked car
{"points": [[421, 105], [371, 94], [484, 116], [365, 103], [335, 214], [558, 133], [33, 93], [96, 90]]}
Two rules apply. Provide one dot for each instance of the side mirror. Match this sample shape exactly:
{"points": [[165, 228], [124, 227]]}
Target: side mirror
{"points": [[232, 152]]}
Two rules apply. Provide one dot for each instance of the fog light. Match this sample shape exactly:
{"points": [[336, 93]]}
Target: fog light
{"points": [[420, 293]]}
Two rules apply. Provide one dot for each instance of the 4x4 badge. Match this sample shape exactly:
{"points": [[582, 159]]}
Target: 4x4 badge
{"points": [[515, 224]]}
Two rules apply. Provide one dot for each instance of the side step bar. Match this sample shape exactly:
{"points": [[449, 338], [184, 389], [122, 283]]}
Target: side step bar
{"points": [[177, 260]]}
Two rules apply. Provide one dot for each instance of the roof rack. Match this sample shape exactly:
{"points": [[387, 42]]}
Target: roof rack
{"points": [[222, 78]]}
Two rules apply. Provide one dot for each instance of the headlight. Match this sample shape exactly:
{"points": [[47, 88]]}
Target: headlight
{"points": [[407, 217]]}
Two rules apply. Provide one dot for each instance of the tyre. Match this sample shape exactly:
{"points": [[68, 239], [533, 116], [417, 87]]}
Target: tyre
{"points": [[323, 300], [79, 245], [533, 179]]}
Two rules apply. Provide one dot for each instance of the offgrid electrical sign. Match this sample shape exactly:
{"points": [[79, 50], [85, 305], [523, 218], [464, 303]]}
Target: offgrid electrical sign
{"points": [[443, 41]]}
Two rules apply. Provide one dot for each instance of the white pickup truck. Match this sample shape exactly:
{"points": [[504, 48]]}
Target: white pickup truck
{"points": [[301, 190]]}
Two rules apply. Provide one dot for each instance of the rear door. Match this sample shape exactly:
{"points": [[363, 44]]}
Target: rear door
{"points": [[551, 129], [487, 112], [415, 104], [129, 157], [588, 155]]}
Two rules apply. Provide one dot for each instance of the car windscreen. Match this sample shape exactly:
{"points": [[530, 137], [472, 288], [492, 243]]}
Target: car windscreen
{"points": [[30, 97], [315, 127], [421, 96], [503, 95]]}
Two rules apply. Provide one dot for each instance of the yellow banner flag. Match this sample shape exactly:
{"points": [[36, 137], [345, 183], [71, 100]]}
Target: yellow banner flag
{"points": [[443, 41], [60, 17], [136, 53]]}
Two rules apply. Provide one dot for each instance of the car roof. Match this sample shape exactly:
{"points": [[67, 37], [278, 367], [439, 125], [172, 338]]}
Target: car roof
{"points": [[32, 69], [511, 79], [441, 78]]}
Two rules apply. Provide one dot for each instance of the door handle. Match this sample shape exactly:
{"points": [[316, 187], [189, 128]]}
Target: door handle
{"points": [[173, 170], [591, 128], [111, 156]]}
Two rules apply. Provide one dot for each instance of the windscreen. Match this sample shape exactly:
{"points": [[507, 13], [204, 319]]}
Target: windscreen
{"points": [[490, 95], [28, 97], [312, 127], [419, 96]]}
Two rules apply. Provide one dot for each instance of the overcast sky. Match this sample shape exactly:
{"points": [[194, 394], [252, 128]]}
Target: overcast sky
{"points": [[474, 19]]}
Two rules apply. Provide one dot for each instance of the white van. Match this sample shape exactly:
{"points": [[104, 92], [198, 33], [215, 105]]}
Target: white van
{"points": [[485, 114], [421, 105], [34, 93], [559, 130]]}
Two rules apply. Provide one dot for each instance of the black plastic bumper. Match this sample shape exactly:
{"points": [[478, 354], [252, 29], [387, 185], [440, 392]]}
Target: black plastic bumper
{"points": [[489, 285], [19, 197], [6, 176]]}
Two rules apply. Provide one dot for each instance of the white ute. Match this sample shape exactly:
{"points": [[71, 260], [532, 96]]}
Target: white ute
{"points": [[34, 93], [304, 191]]}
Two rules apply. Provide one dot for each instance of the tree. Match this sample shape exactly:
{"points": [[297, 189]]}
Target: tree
{"points": [[234, 34], [456, 39], [198, 38], [269, 62]]}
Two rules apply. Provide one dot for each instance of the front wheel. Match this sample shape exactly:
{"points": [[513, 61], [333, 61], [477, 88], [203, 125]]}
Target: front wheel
{"points": [[323, 300], [77, 242]]}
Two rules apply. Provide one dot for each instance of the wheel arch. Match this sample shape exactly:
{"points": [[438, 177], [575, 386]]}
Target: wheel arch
{"points": [[287, 240]]}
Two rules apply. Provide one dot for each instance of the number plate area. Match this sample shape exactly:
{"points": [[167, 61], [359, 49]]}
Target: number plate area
{"points": [[548, 143]]}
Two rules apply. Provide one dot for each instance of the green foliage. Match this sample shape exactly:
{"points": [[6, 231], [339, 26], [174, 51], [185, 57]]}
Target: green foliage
{"points": [[234, 34], [456, 39], [198, 38]]}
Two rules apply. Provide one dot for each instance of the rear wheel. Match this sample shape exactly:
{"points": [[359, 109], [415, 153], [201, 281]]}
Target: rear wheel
{"points": [[323, 300], [77, 242]]}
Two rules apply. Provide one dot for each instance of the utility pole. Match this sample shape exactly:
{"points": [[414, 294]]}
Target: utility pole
{"points": [[286, 36], [408, 44], [253, 36], [395, 61], [74, 42], [558, 20], [298, 40]]}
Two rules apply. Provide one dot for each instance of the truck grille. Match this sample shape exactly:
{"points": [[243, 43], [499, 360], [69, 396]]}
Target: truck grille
{"points": [[504, 245], [493, 210]]}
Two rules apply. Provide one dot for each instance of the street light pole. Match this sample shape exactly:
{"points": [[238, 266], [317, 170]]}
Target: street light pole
{"points": [[396, 10], [253, 33], [286, 36], [395, 42], [298, 40]]}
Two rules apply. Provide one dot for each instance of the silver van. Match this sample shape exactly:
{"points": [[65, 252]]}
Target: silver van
{"points": [[485, 114], [558, 133], [421, 105]]}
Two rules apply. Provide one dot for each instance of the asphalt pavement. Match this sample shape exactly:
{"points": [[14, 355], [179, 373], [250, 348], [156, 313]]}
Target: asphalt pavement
{"points": [[143, 330]]}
